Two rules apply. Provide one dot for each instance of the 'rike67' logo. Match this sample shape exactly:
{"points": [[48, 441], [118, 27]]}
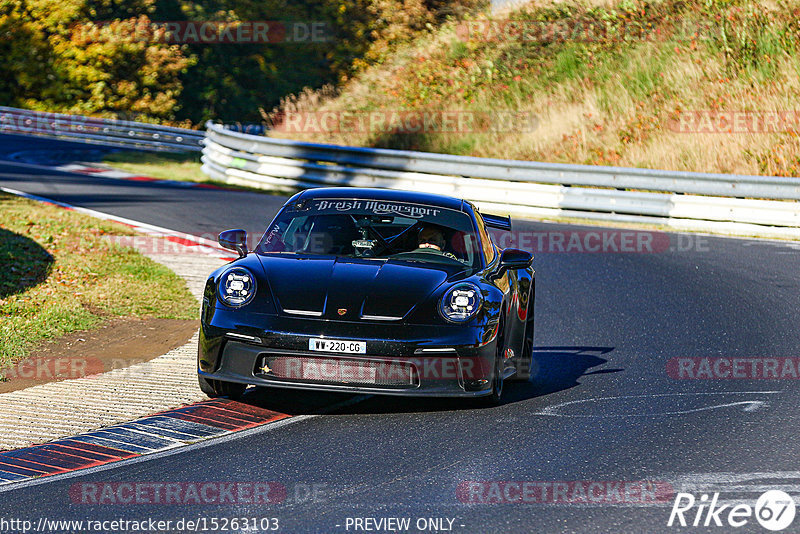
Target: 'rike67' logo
{"points": [[774, 510]]}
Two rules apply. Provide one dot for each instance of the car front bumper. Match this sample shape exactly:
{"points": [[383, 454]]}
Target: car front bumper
{"points": [[406, 360]]}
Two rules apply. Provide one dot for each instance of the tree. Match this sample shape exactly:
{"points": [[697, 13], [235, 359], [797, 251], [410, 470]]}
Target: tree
{"points": [[60, 58]]}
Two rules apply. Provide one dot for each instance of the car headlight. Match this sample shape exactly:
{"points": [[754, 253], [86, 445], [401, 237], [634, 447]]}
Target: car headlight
{"points": [[461, 302], [237, 287]]}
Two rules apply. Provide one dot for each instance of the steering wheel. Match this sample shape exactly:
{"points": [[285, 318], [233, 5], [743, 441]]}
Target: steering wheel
{"points": [[425, 254]]}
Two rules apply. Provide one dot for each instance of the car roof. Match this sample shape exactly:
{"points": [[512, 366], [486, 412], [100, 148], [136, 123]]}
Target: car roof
{"points": [[365, 193]]}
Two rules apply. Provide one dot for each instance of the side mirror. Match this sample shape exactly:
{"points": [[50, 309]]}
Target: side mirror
{"points": [[512, 259], [234, 240]]}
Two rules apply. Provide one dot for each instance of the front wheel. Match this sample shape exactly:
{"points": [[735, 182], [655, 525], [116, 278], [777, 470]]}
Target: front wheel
{"points": [[493, 399], [218, 388], [525, 361]]}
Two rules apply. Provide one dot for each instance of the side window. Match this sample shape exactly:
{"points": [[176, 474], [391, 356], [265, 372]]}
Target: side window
{"points": [[486, 241]]}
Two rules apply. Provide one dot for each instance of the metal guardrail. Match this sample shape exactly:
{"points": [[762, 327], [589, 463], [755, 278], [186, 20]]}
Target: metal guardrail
{"points": [[757, 205], [108, 132]]}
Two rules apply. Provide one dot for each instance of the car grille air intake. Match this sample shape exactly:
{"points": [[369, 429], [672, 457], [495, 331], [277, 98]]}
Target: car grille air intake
{"points": [[344, 371]]}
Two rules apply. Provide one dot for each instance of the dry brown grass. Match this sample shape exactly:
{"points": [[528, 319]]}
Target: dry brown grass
{"points": [[616, 108]]}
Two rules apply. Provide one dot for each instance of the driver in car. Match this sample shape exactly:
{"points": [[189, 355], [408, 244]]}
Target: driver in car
{"points": [[431, 239]]}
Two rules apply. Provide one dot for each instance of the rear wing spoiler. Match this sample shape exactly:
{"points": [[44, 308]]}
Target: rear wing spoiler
{"points": [[499, 222]]}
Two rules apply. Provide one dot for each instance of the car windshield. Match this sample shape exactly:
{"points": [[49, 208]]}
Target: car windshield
{"points": [[375, 229]]}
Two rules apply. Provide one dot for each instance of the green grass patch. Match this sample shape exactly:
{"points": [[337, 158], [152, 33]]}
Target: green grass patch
{"points": [[170, 166], [60, 275], [183, 167]]}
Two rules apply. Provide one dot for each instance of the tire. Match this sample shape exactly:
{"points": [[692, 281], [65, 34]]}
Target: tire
{"points": [[218, 388], [494, 398], [524, 364], [525, 361]]}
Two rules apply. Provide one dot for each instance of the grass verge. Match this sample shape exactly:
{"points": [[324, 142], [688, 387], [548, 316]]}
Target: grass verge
{"points": [[181, 167], [59, 275], [166, 166]]}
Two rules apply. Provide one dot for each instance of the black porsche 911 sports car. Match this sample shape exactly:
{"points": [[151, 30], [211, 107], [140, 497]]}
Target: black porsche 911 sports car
{"points": [[370, 291]]}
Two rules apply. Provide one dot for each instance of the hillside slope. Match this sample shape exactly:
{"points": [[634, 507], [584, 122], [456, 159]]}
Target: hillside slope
{"points": [[709, 85]]}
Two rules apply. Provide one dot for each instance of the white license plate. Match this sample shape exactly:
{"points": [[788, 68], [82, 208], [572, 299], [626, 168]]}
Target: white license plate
{"points": [[337, 346]]}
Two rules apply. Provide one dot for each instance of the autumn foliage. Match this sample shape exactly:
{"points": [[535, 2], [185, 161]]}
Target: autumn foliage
{"points": [[88, 57]]}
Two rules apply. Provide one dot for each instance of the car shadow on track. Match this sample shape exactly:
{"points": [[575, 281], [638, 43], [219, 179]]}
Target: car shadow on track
{"points": [[554, 369], [25, 263]]}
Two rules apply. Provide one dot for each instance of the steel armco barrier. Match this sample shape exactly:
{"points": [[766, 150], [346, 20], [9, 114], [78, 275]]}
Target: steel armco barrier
{"points": [[108, 132], [753, 205]]}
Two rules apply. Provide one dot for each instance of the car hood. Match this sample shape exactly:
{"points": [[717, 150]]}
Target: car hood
{"points": [[350, 289]]}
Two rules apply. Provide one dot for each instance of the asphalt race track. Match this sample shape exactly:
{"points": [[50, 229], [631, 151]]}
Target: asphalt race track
{"points": [[603, 407]]}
